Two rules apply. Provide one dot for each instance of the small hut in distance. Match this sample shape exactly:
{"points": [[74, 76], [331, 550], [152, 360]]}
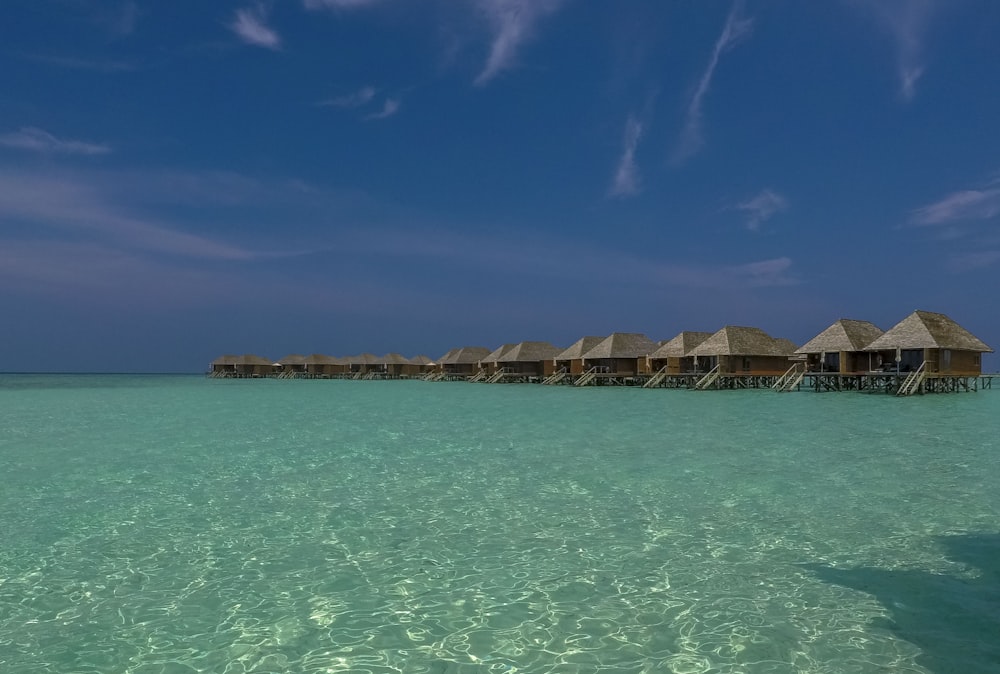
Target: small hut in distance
{"points": [[622, 353], [841, 348], [572, 358], [530, 359], [675, 356], [742, 350]]}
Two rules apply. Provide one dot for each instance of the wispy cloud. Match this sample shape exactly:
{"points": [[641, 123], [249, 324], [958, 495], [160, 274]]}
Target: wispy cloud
{"points": [[692, 137], [77, 63], [627, 181], [356, 99], [978, 204], [250, 25], [72, 203], [971, 261], [338, 4], [389, 108], [762, 208], [513, 22], [34, 139], [907, 21]]}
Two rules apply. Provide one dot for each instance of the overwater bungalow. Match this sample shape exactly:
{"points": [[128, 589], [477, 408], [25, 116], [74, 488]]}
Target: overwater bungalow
{"points": [[674, 356], [932, 341], [321, 366], [463, 362], [418, 365], [290, 366], [392, 366], [620, 353], [223, 366], [841, 348], [362, 364], [488, 365], [571, 359], [743, 351], [527, 361], [251, 365]]}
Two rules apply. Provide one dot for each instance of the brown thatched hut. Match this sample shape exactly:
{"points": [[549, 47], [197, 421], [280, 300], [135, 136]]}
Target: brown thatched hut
{"points": [[622, 353], [572, 358], [250, 365], [392, 365], [489, 364], [742, 350], [322, 366], [462, 362], [924, 336], [841, 347], [223, 366], [675, 354], [290, 366], [530, 359], [418, 365], [361, 364]]}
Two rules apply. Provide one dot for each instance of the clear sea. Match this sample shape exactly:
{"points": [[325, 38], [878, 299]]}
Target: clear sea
{"points": [[176, 524]]}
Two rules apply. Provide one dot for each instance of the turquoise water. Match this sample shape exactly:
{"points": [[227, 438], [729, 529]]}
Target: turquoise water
{"points": [[180, 525]]}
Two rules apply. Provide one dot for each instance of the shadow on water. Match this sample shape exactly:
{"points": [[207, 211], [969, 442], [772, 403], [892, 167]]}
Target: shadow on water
{"points": [[954, 620]]}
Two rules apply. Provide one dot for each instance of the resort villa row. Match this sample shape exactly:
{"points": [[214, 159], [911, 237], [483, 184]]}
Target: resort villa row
{"points": [[924, 352]]}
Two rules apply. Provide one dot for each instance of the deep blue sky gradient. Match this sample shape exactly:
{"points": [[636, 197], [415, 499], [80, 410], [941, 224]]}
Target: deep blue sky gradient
{"points": [[184, 179]]}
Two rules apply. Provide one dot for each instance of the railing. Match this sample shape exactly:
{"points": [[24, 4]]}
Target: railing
{"points": [[555, 377], [656, 378], [708, 379], [790, 379], [498, 375], [588, 376], [913, 381], [481, 375]]}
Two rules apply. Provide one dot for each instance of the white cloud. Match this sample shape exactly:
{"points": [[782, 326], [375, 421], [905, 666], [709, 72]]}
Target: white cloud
{"points": [[762, 208], [361, 97], [627, 181], [36, 140], [907, 21], [981, 204], [736, 28], [250, 24], [513, 22], [81, 205], [338, 4], [389, 108]]}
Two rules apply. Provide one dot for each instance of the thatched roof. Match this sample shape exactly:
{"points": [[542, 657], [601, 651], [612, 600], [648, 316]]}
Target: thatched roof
{"points": [[497, 352], [622, 345], [928, 330], [421, 360], [291, 359], [844, 335], [464, 355], [251, 359], [680, 345], [530, 352], [392, 359], [734, 340], [579, 347], [320, 359], [362, 359], [227, 359]]}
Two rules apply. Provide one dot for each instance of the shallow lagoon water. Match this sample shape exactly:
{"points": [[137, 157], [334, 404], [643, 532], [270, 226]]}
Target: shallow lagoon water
{"points": [[180, 524]]}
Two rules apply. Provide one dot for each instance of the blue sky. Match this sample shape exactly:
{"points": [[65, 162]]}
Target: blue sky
{"points": [[184, 179]]}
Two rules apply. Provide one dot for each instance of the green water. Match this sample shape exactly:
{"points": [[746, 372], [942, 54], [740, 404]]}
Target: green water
{"points": [[180, 525]]}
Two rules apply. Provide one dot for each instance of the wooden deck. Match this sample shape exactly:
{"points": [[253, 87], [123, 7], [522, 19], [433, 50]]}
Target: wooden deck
{"points": [[819, 382]]}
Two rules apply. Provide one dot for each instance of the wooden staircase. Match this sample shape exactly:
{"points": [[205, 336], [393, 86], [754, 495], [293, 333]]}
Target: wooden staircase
{"points": [[587, 377], [710, 377], [555, 377], [913, 381], [656, 378], [791, 379]]}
